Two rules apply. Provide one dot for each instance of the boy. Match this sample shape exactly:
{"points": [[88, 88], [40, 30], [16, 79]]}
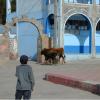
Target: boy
{"points": [[25, 79]]}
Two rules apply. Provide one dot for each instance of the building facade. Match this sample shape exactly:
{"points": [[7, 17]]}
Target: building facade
{"points": [[72, 24]]}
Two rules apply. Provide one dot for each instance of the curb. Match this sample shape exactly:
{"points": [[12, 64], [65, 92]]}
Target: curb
{"points": [[72, 82]]}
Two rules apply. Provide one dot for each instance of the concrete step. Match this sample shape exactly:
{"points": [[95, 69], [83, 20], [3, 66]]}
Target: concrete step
{"points": [[90, 86]]}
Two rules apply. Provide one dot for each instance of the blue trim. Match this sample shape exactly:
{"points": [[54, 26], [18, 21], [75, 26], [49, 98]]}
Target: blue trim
{"points": [[97, 49], [77, 49]]}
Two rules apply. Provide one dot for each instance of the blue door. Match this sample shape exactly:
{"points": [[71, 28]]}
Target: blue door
{"points": [[27, 39]]}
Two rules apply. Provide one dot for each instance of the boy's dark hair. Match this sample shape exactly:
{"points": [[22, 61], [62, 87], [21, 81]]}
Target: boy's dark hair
{"points": [[23, 59]]}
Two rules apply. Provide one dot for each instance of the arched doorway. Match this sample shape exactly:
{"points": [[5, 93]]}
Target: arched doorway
{"points": [[28, 32], [26, 29], [27, 39], [77, 36], [50, 25]]}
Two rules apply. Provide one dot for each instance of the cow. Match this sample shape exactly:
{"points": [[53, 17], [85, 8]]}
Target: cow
{"points": [[50, 55], [60, 54], [53, 55]]}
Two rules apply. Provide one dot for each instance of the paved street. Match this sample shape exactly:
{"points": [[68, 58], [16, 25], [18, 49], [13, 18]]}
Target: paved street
{"points": [[45, 89]]}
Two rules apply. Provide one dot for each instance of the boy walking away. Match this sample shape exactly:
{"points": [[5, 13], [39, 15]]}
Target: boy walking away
{"points": [[25, 80]]}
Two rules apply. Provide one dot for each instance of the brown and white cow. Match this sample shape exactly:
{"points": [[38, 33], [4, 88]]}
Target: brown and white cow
{"points": [[60, 54], [53, 55], [50, 55]]}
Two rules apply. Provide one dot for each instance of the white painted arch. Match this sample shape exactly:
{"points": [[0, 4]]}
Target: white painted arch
{"points": [[74, 11]]}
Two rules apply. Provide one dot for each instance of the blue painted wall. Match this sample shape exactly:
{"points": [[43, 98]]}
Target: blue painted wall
{"points": [[78, 42], [79, 1], [31, 8], [97, 41], [27, 39], [82, 1]]}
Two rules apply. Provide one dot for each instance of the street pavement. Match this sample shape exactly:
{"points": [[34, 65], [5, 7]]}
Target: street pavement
{"points": [[47, 90]]}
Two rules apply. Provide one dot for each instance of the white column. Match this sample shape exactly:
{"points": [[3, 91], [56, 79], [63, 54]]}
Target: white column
{"points": [[17, 26], [8, 7], [49, 5], [17, 7], [55, 38], [93, 49], [60, 25], [17, 17]]}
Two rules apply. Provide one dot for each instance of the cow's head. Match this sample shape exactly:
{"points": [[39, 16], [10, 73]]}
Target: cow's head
{"points": [[43, 51]]}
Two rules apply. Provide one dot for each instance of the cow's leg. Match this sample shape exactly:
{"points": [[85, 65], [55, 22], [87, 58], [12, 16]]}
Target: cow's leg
{"points": [[64, 58], [61, 59], [57, 59], [43, 59], [50, 61], [46, 60]]}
